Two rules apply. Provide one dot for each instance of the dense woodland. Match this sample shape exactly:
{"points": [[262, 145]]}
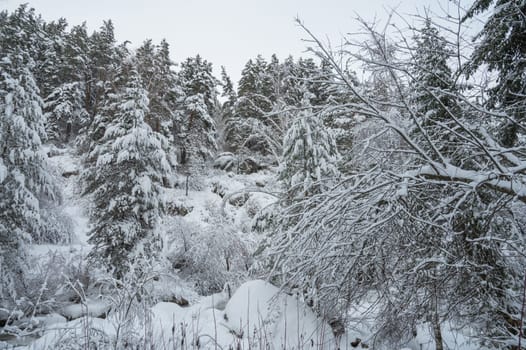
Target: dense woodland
{"points": [[405, 188]]}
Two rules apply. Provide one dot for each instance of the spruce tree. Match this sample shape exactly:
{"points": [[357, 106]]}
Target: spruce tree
{"points": [[103, 66], [125, 180], [25, 176], [433, 87], [65, 113], [501, 45], [197, 132], [65, 80], [255, 91], [196, 78], [309, 155], [156, 70], [227, 111]]}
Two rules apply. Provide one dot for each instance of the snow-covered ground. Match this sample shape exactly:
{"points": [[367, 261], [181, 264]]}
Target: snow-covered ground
{"points": [[256, 316]]}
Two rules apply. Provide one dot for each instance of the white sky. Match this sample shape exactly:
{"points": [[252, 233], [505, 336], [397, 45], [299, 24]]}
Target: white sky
{"points": [[225, 32]]}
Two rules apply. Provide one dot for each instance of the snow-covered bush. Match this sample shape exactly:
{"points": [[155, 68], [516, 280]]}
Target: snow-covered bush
{"points": [[210, 257], [130, 301], [53, 281], [57, 227], [226, 161], [80, 334]]}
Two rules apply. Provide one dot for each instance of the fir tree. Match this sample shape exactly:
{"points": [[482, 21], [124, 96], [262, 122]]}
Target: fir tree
{"points": [[309, 154], [255, 91], [228, 88], [155, 68], [197, 132], [227, 111], [502, 47], [196, 78], [103, 65], [433, 86], [129, 164], [24, 172], [21, 31], [65, 111]]}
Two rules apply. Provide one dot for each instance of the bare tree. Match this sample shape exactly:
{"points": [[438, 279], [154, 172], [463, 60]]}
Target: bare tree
{"points": [[433, 226]]}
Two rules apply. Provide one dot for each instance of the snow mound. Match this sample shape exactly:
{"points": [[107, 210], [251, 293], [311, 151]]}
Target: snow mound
{"points": [[94, 308], [258, 310], [256, 316]]}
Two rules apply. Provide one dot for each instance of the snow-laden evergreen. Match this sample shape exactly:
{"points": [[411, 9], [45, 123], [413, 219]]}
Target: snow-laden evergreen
{"points": [[65, 112], [26, 179], [309, 155], [197, 128], [389, 205], [501, 46], [125, 180]]}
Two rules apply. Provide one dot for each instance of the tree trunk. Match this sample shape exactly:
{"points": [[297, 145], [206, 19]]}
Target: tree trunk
{"points": [[436, 328], [438, 334]]}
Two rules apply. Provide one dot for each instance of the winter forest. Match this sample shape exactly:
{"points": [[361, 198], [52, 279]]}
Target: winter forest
{"points": [[370, 194]]}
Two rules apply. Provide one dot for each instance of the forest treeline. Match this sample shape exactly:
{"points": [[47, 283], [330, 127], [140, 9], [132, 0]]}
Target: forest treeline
{"points": [[406, 185]]}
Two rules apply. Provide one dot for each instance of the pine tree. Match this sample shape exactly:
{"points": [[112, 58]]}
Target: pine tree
{"points": [[247, 128], [155, 68], [25, 175], [76, 60], [21, 31], [125, 180], [226, 116], [501, 45], [197, 132], [309, 155], [51, 56], [255, 90], [196, 78], [65, 114], [103, 66], [228, 88], [433, 86]]}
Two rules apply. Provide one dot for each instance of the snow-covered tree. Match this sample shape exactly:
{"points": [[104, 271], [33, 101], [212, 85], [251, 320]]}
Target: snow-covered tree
{"points": [[501, 46], [65, 98], [309, 155], [102, 67], [436, 238], [24, 172], [227, 109], [156, 70], [197, 128], [255, 89], [433, 88], [65, 111], [196, 77], [125, 180], [198, 132]]}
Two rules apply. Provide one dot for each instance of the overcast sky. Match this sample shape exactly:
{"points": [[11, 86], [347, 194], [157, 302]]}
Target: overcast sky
{"points": [[226, 32]]}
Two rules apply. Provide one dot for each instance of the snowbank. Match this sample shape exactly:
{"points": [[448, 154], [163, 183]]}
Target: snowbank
{"points": [[256, 316]]}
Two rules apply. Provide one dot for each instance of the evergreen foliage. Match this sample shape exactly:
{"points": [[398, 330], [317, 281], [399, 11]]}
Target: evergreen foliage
{"points": [[423, 212], [433, 87], [501, 45], [156, 70], [65, 114], [24, 172], [129, 164], [197, 132], [309, 155]]}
